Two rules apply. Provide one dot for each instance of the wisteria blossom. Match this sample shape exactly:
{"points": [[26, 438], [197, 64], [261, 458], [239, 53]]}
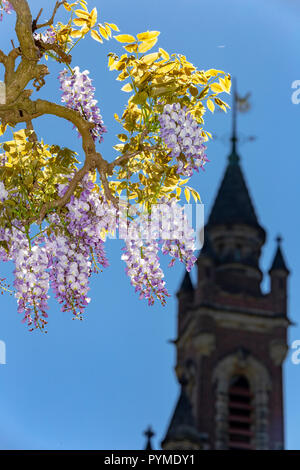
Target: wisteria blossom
{"points": [[5, 6], [183, 135], [49, 36], [78, 94], [143, 269], [168, 230]]}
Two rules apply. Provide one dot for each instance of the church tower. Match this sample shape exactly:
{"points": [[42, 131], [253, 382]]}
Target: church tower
{"points": [[231, 340]]}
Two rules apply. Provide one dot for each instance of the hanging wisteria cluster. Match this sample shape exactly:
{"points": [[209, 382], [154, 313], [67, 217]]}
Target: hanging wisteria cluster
{"points": [[78, 94], [168, 230], [182, 134]]}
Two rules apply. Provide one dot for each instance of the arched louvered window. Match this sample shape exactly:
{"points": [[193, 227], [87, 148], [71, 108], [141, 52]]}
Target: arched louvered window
{"points": [[240, 414]]}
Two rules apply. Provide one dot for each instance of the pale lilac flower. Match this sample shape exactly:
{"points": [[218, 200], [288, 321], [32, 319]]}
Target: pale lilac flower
{"points": [[182, 135], [49, 36], [5, 6], [78, 94]]}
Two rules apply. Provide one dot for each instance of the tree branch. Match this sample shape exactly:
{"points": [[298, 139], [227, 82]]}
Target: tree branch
{"points": [[35, 26]]}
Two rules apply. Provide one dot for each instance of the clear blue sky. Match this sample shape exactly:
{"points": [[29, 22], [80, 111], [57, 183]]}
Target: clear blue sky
{"points": [[97, 384]]}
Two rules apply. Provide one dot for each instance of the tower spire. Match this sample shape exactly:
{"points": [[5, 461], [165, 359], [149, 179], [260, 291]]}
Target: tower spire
{"points": [[233, 157]]}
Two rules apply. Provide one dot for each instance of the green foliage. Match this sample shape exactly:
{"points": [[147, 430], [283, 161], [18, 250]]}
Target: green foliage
{"points": [[31, 171]]}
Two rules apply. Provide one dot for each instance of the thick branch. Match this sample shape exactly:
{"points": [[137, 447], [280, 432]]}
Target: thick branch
{"points": [[24, 29]]}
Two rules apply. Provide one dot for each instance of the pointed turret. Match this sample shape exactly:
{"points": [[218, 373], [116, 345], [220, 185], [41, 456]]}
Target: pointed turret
{"points": [[182, 432], [279, 263], [186, 285], [279, 274]]}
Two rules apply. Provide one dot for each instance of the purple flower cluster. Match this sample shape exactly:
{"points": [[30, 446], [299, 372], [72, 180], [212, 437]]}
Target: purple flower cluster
{"points": [[70, 272], [71, 247], [49, 36], [78, 94], [31, 277], [6, 6], [144, 269], [88, 219], [32, 283], [181, 244], [183, 135], [170, 224], [167, 228]]}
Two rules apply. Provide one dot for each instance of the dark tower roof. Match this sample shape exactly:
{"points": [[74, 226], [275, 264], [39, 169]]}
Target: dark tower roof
{"points": [[233, 203], [186, 285], [182, 425], [278, 261]]}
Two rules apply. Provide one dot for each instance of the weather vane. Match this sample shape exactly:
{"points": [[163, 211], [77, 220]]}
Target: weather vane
{"points": [[242, 105]]}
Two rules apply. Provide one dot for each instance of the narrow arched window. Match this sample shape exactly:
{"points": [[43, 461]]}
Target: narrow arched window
{"points": [[240, 414]]}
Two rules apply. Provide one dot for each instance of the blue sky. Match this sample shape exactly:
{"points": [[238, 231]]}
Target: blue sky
{"points": [[97, 384]]}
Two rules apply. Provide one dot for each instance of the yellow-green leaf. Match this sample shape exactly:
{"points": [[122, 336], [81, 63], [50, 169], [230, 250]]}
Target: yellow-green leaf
{"points": [[2, 129], [164, 54], [210, 105], [147, 45], [140, 98], [216, 88], [82, 14], [103, 32], [76, 33], [113, 26], [95, 35], [131, 47], [150, 58], [83, 4], [148, 35], [122, 137], [125, 37], [93, 17], [187, 195], [67, 6], [166, 68], [128, 87], [80, 21]]}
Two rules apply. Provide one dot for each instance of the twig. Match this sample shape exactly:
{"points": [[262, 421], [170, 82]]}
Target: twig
{"points": [[49, 22]]}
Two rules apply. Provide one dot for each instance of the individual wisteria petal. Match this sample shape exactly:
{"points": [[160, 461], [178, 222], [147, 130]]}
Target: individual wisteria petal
{"points": [[5, 6], [183, 135], [78, 94]]}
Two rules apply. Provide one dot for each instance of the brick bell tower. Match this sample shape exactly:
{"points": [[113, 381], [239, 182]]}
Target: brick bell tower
{"points": [[231, 339]]}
